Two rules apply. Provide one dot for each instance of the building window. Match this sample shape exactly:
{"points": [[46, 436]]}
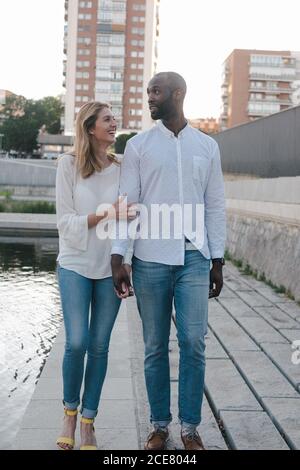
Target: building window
{"points": [[84, 28], [82, 98], [138, 19], [83, 52], [111, 39], [85, 4], [84, 16], [135, 42], [82, 86], [83, 63], [82, 40], [133, 78], [82, 75], [139, 31], [132, 89], [138, 7]]}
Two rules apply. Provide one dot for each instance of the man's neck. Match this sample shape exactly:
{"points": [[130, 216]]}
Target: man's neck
{"points": [[175, 124]]}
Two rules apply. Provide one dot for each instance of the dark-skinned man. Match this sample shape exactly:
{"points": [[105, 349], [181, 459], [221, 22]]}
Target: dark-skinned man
{"points": [[173, 163]]}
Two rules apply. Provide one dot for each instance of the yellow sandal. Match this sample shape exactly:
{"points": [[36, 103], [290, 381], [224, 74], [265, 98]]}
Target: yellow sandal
{"points": [[67, 440], [88, 421]]}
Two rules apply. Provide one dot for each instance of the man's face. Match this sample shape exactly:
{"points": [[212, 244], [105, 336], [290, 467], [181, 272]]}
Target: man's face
{"points": [[160, 99]]}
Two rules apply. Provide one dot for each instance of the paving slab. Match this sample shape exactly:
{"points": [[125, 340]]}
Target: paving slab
{"points": [[271, 295], [281, 355], [253, 299], [215, 308], [214, 349], [292, 309], [286, 413], [291, 335], [236, 284], [227, 292], [226, 389], [263, 376], [231, 335], [276, 317], [238, 308], [252, 431], [261, 331]]}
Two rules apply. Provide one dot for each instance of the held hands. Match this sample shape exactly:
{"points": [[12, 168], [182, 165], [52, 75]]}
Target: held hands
{"points": [[121, 279], [120, 210], [216, 280]]}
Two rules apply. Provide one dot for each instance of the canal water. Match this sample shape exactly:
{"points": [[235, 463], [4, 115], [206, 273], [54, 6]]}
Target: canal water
{"points": [[30, 317]]}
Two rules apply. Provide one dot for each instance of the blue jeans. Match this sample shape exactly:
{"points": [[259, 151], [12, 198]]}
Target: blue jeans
{"points": [[156, 285], [90, 308]]}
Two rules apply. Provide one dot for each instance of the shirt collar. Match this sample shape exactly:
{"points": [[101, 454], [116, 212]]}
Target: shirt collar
{"points": [[169, 133]]}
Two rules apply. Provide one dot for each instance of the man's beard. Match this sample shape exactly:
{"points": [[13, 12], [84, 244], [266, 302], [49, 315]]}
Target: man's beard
{"points": [[164, 110]]}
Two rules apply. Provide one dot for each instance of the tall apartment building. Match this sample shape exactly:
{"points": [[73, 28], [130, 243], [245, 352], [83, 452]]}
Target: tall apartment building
{"points": [[111, 54], [257, 83]]}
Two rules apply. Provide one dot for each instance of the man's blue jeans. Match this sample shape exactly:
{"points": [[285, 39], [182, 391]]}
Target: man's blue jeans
{"points": [[90, 308], [156, 285]]}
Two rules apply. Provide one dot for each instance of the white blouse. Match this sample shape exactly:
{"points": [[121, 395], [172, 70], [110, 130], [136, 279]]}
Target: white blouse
{"points": [[80, 249]]}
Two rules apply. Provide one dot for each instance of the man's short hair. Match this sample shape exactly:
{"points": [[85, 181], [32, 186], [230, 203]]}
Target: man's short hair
{"points": [[175, 81]]}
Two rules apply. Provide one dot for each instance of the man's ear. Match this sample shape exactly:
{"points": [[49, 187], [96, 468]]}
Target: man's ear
{"points": [[178, 94]]}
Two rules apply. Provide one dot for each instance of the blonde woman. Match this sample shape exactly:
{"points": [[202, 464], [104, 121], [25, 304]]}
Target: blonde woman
{"points": [[85, 180]]}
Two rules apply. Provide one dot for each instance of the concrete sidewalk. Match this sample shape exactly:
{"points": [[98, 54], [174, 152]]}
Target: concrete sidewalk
{"points": [[252, 387]]}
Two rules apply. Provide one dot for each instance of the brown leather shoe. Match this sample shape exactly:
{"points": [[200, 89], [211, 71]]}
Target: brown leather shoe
{"points": [[192, 442], [156, 440]]}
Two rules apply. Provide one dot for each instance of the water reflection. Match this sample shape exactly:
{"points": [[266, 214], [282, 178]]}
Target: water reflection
{"points": [[30, 316]]}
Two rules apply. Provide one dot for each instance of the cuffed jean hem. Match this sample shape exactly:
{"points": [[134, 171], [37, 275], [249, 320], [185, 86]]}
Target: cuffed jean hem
{"points": [[71, 406], [86, 413], [187, 428], [161, 423], [183, 422]]}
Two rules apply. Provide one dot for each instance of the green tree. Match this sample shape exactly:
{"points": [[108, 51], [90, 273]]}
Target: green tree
{"points": [[24, 118], [121, 140]]}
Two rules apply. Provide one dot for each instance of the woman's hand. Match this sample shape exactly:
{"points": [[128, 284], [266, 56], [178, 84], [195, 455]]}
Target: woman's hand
{"points": [[120, 210]]}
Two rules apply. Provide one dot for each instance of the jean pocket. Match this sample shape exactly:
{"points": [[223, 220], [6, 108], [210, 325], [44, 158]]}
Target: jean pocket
{"points": [[200, 169]]}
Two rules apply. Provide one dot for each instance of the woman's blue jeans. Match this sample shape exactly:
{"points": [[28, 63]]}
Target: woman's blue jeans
{"points": [[90, 308], [156, 286]]}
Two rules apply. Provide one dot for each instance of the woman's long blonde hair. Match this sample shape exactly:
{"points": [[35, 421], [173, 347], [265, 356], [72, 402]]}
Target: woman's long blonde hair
{"points": [[86, 160]]}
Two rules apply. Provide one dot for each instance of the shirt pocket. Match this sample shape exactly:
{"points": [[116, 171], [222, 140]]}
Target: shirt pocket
{"points": [[200, 169]]}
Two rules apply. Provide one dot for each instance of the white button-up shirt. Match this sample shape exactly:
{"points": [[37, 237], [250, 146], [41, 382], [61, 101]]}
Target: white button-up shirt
{"points": [[160, 168]]}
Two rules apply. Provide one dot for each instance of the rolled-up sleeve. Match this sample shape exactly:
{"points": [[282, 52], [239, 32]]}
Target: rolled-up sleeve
{"points": [[72, 227], [214, 207], [130, 185]]}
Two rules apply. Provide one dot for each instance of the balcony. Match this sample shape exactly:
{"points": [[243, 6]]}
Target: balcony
{"points": [[270, 90], [278, 78]]}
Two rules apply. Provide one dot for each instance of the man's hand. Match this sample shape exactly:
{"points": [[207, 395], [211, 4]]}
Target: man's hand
{"points": [[216, 280], [121, 277]]}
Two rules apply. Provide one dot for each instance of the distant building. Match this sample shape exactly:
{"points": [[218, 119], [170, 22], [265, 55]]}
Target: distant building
{"points": [[207, 125], [257, 83], [51, 145], [4, 94], [111, 54]]}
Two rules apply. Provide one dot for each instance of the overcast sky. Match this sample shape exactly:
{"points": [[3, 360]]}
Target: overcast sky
{"points": [[196, 37]]}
